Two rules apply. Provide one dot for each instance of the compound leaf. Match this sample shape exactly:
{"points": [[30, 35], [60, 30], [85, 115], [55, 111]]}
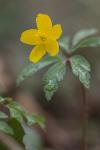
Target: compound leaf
{"points": [[90, 42], [33, 68], [52, 78], [80, 35], [35, 119], [81, 68], [16, 111], [19, 113]]}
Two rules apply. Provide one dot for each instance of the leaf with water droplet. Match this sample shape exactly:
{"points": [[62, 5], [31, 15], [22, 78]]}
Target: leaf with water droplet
{"points": [[51, 79], [81, 68]]}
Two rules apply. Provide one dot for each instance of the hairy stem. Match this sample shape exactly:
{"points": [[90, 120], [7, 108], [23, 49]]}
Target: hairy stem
{"points": [[84, 144]]}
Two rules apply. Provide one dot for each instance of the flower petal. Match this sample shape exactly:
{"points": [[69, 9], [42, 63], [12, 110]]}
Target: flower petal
{"points": [[43, 22], [52, 48], [56, 31], [37, 53], [30, 37]]}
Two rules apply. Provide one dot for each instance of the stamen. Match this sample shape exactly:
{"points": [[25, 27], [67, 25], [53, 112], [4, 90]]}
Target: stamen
{"points": [[43, 38]]}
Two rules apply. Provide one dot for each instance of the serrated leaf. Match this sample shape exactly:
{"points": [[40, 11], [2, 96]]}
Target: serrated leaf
{"points": [[64, 43], [52, 78], [81, 68], [5, 128], [16, 114], [33, 118], [80, 35], [90, 42], [3, 115], [39, 120], [85, 78], [30, 119], [16, 111], [33, 68], [19, 113]]}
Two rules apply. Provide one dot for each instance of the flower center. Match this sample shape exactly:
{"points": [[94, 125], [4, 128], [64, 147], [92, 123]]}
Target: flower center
{"points": [[43, 38]]}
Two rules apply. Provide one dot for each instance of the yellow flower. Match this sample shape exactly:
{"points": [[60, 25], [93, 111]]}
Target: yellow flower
{"points": [[44, 38]]}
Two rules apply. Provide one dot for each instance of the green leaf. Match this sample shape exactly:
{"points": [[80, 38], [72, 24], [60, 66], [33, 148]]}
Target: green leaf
{"points": [[35, 119], [33, 68], [64, 43], [16, 111], [32, 140], [2, 99], [91, 42], [19, 113], [5, 128], [82, 34], [5, 99], [52, 78], [81, 68], [17, 130], [16, 114], [30, 119], [3, 115]]}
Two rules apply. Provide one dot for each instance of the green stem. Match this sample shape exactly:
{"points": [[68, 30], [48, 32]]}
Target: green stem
{"points": [[84, 144]]}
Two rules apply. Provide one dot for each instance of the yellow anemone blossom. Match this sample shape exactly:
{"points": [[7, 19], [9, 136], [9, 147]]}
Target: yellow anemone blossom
{"points": [[44, 38]]}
